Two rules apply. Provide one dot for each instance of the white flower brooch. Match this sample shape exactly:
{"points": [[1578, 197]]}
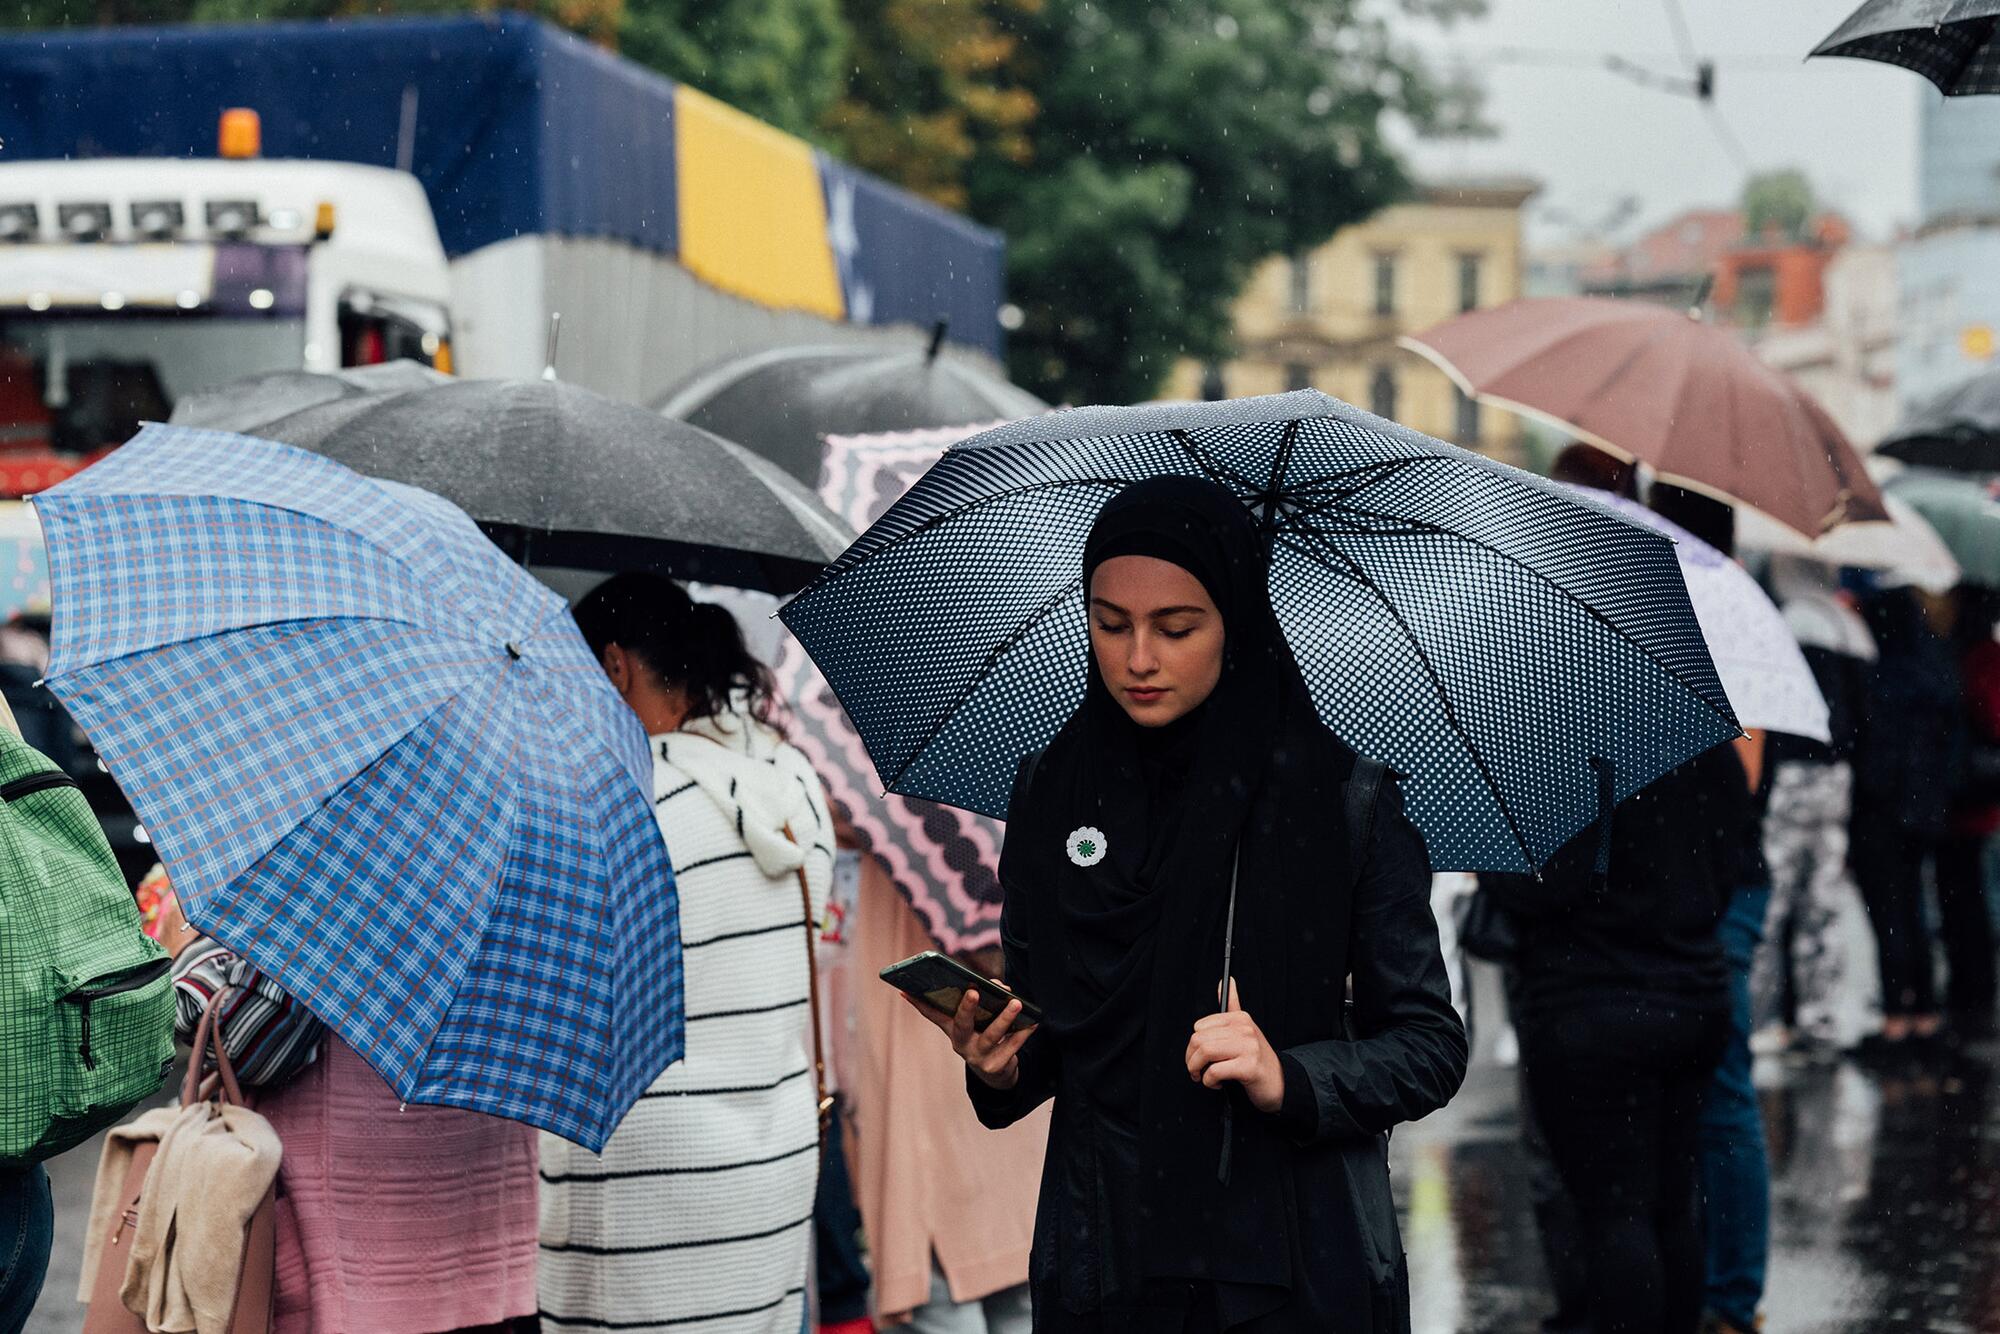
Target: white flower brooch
{"points": [[1086, 846]]}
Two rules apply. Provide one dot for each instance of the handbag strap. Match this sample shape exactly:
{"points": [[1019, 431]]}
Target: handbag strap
{"points": [[195, 1088], [825, 1103]]}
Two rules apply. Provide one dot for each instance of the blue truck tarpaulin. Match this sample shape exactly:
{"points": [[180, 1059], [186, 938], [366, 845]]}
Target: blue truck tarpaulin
{"points": [[520, 129]]}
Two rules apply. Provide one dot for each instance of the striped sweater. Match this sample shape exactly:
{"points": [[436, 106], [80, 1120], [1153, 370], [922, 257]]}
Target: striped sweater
{"points": [[698, 1214]]}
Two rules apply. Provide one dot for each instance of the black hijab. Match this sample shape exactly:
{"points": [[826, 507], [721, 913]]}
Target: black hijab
{"points": [[1168, 800], [1143, 926]]}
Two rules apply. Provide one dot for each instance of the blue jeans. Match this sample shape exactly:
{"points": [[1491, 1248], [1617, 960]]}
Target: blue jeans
{"points": [[27, 1231], [1735, 1175]]}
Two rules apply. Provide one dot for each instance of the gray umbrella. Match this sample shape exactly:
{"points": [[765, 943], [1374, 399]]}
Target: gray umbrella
{"points": [[1950, 42], [557, 475], [262, 398], [1959, 430], [784, 403]]}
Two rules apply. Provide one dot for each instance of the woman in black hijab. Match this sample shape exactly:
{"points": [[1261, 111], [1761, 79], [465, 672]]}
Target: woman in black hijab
{"points": [[1209, 1171]]}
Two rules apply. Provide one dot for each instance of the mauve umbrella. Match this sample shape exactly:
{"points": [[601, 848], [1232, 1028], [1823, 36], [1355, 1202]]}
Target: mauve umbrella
{"points": [[1652, 385], [1950, 42], [784, 402], [556, 475]]}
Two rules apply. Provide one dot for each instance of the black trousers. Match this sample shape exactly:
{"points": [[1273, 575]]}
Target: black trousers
{"points": [[1555, 1213], [1617, 1083], [1967, 927], [1889, 867]]}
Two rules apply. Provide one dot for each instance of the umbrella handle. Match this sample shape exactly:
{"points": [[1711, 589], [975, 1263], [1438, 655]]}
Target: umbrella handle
{"points": [[1228, 951]]}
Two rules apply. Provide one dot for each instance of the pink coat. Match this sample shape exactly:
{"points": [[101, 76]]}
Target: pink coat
{"points": [[397, 1220], [929, 1179]]}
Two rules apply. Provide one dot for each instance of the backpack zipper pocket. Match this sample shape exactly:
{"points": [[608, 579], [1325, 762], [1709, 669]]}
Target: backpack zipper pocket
{"points": [[21, 787], [131, 980]]}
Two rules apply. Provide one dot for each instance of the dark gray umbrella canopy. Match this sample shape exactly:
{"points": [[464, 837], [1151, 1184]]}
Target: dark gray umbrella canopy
{"points": [[784, 403], [262, 398], [1959, 430], [559, 476], [1950, 42]]}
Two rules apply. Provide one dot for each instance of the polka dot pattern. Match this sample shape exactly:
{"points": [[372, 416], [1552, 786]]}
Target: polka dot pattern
{"points": [[1475, 628]]}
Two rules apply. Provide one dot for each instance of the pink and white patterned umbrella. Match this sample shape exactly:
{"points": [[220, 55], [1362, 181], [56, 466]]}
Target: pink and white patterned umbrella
{"points": [[945, 861]]}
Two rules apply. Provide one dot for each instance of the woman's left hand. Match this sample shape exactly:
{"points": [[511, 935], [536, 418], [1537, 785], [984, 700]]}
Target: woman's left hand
{"points": [[1229, 1048]]}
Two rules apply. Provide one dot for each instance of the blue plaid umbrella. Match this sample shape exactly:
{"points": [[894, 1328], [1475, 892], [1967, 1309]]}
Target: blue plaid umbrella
{"points": [[1521, 656], [378, 760]]}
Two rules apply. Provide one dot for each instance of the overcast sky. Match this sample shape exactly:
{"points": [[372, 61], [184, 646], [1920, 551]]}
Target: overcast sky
{"points": [[1591, 136]]}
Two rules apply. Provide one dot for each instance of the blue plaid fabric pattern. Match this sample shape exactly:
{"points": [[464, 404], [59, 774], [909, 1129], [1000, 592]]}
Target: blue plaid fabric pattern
{"points": [[379, 762]]}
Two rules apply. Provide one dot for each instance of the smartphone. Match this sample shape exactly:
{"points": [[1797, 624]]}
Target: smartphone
{"points": [[940, 981]]}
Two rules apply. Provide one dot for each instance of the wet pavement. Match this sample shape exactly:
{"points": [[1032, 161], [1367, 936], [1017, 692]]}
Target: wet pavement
{"points": [[1886, 1204]]}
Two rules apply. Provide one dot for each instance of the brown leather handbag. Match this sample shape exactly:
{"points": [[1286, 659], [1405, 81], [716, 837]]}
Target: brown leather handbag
{"points": [[256, 1283]]}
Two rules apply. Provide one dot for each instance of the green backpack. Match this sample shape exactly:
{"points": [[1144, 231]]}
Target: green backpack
{"points": [[86, 1006]]}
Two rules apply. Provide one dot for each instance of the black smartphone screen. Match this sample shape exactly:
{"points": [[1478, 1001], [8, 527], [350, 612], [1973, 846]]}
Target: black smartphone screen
{"points": [[941, 982]]}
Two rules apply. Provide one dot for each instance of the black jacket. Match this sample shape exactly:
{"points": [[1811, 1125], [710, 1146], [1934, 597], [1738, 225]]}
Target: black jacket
{"points": [[1680, 849], [1319, 1164]]}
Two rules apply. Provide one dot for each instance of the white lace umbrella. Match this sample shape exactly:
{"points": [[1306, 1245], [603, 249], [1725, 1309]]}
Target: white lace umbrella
{"points": [[1762, 670]]}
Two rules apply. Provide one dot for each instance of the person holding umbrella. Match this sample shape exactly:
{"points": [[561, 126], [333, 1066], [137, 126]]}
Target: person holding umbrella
{"points": [[699, 1210], [1184, 642], [1215, 1162], [385, 773]]}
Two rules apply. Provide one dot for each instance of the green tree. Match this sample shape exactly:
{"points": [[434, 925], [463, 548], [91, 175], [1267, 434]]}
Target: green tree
{"points": [[935, 85], [1178, 145], [1780, 200], [598, 20], [70, 13], [783, 61]]}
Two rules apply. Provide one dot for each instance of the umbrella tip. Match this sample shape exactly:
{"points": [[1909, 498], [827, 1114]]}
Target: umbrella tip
{"points": [[1697, 307], [938, 332], [555, 336]]}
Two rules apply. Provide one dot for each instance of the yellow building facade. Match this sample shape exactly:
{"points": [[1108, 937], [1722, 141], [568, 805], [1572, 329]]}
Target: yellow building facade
{"points": [[1329, 319]]}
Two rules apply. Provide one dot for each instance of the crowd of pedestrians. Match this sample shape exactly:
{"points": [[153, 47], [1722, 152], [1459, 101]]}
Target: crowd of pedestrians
{"points": [[1717, 919], [1161, 1152]]}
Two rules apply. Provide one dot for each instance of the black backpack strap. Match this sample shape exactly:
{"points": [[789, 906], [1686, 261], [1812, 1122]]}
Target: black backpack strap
{"points": [[1364, 787]]}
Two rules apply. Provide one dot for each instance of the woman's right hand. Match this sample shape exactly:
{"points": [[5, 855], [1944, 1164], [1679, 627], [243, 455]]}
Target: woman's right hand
{"points": [[992, 1053]]}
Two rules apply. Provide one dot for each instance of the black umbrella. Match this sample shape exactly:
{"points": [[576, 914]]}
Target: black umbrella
{"points": [[1950, 42], [262, 398], [1958, 430], [1521, 655], [557, 475], [784, 403]]}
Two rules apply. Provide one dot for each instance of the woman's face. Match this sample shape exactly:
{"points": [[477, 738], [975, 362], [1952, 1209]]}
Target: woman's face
{"points": [[1157, 637]]}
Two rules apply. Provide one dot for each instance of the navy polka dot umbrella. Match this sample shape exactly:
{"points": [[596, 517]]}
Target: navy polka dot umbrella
{"points": [[1518, 654]]}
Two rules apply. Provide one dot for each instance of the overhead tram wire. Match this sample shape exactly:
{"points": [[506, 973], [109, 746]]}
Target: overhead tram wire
{"points": [[1682, 38], [1704, 74], [1550, 57]]}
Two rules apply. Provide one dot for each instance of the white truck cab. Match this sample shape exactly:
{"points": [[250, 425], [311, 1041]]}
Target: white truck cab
{"points": [[128, 282]]}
